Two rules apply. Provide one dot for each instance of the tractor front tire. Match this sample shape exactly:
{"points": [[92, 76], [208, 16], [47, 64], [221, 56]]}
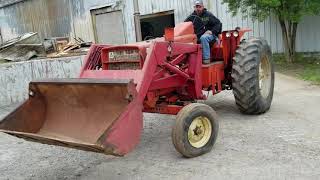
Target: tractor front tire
{"points": [[253, 77], [195, 131]]}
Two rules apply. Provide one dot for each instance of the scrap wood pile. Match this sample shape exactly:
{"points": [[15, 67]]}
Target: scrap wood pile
{"points": [[64, 48], [29, 45]]}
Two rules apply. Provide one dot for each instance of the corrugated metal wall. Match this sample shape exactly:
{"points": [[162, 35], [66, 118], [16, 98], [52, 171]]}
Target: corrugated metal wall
{"points": [[48, 18], [73, 18], [82, 22], [308, 38]]}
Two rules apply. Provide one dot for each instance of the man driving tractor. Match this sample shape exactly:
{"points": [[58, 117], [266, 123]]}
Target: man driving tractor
{"points": [[207, 27]]}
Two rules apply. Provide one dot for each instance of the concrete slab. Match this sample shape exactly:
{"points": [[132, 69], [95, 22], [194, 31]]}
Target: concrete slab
{"points": [[281, 144]]}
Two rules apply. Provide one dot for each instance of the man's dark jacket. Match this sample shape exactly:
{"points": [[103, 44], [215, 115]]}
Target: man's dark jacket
{"points": [[210, 23]]}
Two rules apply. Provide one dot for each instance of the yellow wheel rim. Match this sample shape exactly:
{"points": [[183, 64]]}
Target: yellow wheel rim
{"points": [[265, 77], [199, 132]]}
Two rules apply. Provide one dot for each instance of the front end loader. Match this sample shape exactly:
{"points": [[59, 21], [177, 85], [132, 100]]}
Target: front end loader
{"points": [[101, 111]]}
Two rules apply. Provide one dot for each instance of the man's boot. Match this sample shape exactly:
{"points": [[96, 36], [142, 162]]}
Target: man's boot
{"points": [[206, 61]]}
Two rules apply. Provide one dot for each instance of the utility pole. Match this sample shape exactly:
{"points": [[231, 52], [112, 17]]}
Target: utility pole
{"points": [[137, 23]]}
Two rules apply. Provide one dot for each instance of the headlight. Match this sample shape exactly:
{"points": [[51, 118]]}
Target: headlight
{"points": [[228, 34], [236, 34]]}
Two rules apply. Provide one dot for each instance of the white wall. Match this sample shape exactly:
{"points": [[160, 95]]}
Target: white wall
{"points": [[15, 77]]}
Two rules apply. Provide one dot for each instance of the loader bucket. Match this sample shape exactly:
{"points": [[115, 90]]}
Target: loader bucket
{"points": [[88, 114]]}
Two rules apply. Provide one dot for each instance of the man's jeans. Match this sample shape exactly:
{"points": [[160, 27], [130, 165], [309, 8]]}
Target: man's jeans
{"points": [[206, 39]]}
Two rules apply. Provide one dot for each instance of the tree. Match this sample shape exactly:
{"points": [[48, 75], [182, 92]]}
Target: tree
{"points": [[288, 12]]}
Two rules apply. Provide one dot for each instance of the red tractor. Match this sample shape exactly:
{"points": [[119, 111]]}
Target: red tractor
{"points": [[101, 111]]}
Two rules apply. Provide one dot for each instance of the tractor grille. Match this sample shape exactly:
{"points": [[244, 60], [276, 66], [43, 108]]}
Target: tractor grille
{"points": [[124, 60], [124, 55], [124, 66]]}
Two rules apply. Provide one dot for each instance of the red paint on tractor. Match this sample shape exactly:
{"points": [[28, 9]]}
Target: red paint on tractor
{"points": [[158, 76]]}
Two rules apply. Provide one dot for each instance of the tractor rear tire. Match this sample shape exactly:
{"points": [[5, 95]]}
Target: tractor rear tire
{"points": [[196, 130], [253, 77]]}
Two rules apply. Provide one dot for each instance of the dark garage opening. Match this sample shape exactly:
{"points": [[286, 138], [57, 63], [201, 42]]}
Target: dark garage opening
{"points": [[153, 25]]}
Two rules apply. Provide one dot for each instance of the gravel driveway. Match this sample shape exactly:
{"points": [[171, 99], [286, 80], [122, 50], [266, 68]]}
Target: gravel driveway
{"points": [[282, 144]]}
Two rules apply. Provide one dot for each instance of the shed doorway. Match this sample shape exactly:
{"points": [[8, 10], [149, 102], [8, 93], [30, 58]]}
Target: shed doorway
{"points": [[153, 25], [108, 26]]}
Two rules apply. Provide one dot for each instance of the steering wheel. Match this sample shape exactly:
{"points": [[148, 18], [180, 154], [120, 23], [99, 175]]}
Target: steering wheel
{"points": [[199, 26]]}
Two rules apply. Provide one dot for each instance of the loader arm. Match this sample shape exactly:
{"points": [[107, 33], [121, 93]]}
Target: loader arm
{"points": [[170, 69]]}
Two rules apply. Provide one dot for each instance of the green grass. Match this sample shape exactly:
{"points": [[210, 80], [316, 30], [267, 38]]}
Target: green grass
{"points": [[306, 67]]}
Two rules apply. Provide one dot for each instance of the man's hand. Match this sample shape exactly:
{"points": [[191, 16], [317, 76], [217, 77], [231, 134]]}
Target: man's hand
{"points": [[208, 32]]}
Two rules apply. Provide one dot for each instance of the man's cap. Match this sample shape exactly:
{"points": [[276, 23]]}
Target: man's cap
{"points": [[198, 2]]}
